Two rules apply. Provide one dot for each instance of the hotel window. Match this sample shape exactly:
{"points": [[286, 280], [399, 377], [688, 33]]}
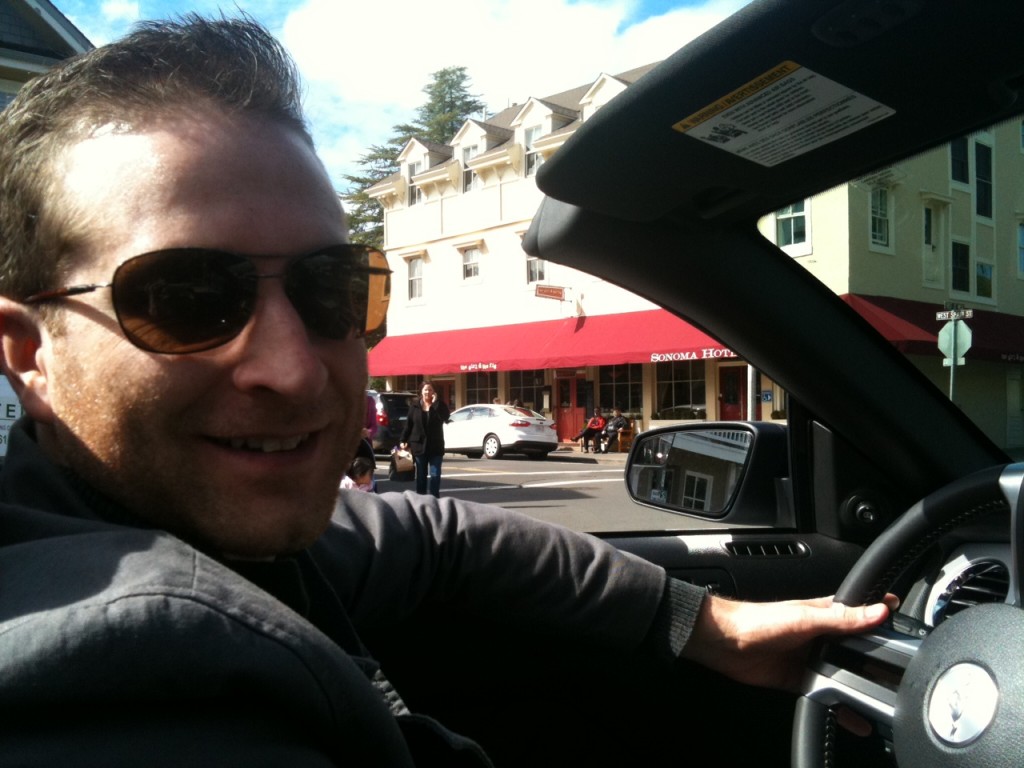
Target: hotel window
{"points": [[983, 279], [469, 177], [415, 193], [1020, 250], [679, 389], [958, 163], [527, 387], [534, 269], [481, 387], [961, 267], [470, 263], [622, 386], [407, 383], [534, 159], [415, 277], [880, 217], [983, 180]]}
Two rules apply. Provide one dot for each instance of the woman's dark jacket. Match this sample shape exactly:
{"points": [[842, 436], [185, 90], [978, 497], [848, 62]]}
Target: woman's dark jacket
{"points": [[424, 430]]}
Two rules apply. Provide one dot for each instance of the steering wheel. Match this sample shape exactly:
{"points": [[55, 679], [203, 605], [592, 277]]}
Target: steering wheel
{"points": [[951, 696]]}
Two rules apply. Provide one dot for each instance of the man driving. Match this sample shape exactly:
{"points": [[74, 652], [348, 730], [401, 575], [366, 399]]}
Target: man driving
{"points": [[182, 318]]}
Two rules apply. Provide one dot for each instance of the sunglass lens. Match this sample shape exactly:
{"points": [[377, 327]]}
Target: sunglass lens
{"points": [[331, 290], [185, 300]]}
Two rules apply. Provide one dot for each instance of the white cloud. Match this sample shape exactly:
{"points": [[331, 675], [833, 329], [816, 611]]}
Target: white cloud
{"points": [[366, 64], [120, 11]]}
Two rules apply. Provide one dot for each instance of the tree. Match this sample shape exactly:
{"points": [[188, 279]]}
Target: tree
{"points": [[448, 105]]}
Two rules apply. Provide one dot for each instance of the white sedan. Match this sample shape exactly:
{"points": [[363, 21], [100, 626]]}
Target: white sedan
{"points": [[491, 430]]}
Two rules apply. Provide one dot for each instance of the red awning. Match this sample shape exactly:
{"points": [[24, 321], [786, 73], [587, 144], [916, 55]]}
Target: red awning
{"points": [[912, 328], [630, 337]]}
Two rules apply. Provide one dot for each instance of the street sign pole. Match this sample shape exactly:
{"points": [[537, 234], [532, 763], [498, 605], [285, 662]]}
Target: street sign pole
{"points": [[954, 339], [952, 366]]}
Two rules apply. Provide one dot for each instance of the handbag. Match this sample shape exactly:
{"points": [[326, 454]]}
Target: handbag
{"points": [[402, 467]]}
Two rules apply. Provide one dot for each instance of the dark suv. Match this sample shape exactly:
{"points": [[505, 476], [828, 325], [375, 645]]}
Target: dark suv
{"points": [[392, 412]]}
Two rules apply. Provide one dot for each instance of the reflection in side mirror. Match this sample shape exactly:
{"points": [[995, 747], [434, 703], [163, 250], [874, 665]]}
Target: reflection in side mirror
{"points": [[693, 471]]}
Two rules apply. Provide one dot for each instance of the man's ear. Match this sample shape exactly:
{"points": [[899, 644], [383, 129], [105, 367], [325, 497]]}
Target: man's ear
{"points": [[23, 341]]}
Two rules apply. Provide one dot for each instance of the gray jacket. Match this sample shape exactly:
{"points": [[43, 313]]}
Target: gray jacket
{"points": [[123, 645]]}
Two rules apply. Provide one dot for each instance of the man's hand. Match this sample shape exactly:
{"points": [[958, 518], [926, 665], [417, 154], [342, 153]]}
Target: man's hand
{"points": [[767, 644]]}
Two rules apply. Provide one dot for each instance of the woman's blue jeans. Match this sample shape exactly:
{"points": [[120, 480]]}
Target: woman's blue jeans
{"points": [[433, 464]]}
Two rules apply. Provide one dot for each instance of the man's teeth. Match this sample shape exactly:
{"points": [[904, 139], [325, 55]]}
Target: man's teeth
{"points": [[268, 444]]}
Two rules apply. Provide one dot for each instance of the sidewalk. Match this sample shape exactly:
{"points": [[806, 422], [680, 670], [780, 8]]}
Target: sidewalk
{"points": [[571, 452]]}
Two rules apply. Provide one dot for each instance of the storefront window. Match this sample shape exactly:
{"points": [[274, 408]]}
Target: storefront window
{"points": [[407, 383], [481, 387], [527, 387], [680, 390], [621, 386]]}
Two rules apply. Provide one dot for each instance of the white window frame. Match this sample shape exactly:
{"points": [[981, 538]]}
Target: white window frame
{"points": [[470, 180], [799, 248], [470, 263], [536, 268], [414, 280], [690, 500], [415, 196], [881, 232], [534, 159]]}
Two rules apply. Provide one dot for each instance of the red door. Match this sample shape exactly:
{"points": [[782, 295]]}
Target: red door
{"points": [[732, 393], [570, 407]]}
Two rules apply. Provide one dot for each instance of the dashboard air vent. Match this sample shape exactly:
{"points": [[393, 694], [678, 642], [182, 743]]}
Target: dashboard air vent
{"points": [[766, 549], [985, 581]]}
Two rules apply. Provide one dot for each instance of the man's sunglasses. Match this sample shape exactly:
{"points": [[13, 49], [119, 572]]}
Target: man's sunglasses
{"points": [[191, 299]]}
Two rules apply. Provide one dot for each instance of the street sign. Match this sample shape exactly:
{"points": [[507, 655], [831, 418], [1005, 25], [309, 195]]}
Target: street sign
{"points": [[550, 292], [954, 340], [955, 314]]}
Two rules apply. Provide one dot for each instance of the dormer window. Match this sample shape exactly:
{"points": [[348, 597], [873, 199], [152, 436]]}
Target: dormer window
{"points": [[534, 159], [470, 180], [415, 193]]}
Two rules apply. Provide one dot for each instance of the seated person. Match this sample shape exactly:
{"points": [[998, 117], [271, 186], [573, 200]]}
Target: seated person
{"points": [[612, 430], [592, 431], [360, 476]]}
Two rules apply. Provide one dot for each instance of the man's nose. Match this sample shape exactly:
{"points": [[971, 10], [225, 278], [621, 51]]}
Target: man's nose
{"points": [[278, 353]]}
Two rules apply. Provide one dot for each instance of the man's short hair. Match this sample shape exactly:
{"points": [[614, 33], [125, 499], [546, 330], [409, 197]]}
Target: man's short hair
{"points": [[161, 69]]}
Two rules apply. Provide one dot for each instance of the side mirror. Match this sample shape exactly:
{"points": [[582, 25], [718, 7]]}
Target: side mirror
{"points": [[732, 470]]}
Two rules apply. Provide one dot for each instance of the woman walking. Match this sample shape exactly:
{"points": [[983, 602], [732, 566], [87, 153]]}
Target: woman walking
{"points": [[424, 437]]}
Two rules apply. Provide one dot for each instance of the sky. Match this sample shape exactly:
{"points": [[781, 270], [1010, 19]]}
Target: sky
{"points": [[364, 64]]}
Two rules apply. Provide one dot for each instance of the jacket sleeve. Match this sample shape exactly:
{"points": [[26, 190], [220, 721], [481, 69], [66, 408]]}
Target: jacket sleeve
{"points": [[407, 429], [388, 555]]}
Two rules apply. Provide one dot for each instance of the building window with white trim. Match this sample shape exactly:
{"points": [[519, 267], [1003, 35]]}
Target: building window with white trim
{"points": [[415, 277], [1020, 250], [696, 491], [960, 268], [415, 193], [958, 163], [527, 387], [470, 263], [535, 269], [469, 177], [793, 228], [983, 180], [881, 217], [534, 159], [983, 272]]}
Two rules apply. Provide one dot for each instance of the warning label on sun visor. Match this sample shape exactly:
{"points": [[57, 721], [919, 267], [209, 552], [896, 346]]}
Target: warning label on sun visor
{"points": [[784, 113]]}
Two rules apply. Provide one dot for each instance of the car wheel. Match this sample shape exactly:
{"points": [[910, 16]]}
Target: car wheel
{"points": [[492, 447], [937, 689]]}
